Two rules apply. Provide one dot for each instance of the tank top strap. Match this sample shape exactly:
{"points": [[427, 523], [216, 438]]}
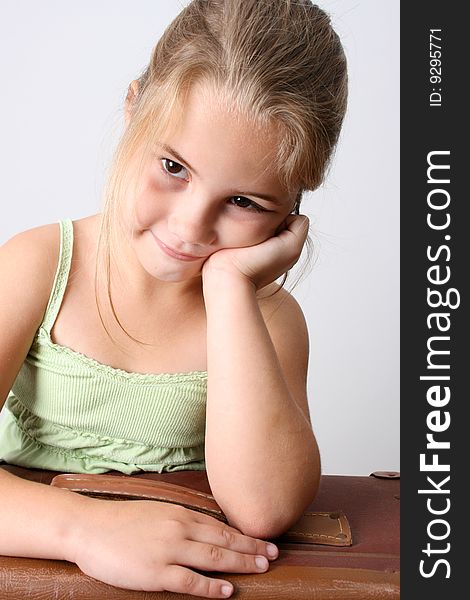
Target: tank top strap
{"points": [[61, 276]]}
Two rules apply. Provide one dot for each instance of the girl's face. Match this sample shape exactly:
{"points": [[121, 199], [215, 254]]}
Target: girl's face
{"points": [[207, 186]]}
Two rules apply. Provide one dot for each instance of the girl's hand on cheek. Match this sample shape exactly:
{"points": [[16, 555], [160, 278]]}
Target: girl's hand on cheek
{"points": [[154, 546], [265, 262]]}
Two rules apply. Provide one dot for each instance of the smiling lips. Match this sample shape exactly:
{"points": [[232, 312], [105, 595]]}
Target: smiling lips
{"points": [[170, 252]]}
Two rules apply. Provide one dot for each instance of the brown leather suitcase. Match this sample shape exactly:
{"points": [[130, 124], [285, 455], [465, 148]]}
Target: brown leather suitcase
{"points": [[345, 547]]}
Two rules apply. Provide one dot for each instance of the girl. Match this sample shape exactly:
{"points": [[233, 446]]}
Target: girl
{"points": [[152, 336]]}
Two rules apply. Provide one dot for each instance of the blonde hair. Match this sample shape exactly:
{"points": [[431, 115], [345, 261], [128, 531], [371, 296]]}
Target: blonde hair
{"points": [[278, 62]]}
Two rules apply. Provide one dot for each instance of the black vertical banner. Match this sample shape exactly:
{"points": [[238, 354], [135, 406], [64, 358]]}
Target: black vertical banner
{"points": [[435, 259]]}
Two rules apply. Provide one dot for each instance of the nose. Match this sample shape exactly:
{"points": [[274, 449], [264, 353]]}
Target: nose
{"points": [[192, 221]]}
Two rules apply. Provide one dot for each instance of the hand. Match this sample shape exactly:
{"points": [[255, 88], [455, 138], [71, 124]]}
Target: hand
{"points": [[147, 545], [265, 262]]}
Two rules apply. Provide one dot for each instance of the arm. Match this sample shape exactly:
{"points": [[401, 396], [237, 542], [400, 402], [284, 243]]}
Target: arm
{"points": [[156, 541], [37, 520], [27, 266], [261, 454]]}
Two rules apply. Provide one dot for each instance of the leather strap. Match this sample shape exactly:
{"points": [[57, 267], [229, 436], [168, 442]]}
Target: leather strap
{"points": [[113, 487], [327, 528]]}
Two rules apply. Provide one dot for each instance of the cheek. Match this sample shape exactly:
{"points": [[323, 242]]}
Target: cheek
{"points": [[144, 213], [250, 234], [147, 206]]}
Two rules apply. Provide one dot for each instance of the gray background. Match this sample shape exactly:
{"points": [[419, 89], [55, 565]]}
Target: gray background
{"points": [[65, 67]]}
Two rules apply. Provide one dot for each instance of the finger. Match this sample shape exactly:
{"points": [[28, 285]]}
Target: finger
{"points": [[298, 223], [181, 580], [269, 549], [296, 232], [281, 227], [228, 537], [194, 516], [299, 227], [210, 557]]}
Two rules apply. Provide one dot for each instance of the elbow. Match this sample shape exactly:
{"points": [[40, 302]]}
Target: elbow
{"points": [[276, 517], [259, 527], [279, 509], [265, 526], [272, 522]]}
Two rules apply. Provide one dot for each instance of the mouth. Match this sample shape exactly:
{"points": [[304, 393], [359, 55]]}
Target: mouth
{"points": [[173, 253]]}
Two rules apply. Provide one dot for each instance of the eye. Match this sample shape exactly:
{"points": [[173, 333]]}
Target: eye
{"points": [[171, 166], [246, 203]]}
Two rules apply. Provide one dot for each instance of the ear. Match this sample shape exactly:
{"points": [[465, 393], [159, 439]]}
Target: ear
{"points": [[132, 94]]}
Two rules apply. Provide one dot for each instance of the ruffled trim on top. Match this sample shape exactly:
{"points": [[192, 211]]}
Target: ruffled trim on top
{"points": [[43, 337]]}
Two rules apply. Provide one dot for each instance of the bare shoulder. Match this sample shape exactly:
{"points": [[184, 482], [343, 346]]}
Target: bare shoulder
{"points": [[48, 236], [284, 319], [288, 331], [28, 262], [278, 305]]}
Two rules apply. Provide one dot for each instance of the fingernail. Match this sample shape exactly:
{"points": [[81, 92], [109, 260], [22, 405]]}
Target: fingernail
{"points": [[271, 549], [262, 562], [226, 590]]}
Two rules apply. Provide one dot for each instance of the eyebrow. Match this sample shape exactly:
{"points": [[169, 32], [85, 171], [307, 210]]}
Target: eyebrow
{"points": [[185, 163], [177, 155]]}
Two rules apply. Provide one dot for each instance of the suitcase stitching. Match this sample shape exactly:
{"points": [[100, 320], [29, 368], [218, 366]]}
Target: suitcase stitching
{"points": [[317, 535]]}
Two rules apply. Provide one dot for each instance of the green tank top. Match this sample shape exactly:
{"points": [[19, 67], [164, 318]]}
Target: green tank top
{"points": [[68, 412]]}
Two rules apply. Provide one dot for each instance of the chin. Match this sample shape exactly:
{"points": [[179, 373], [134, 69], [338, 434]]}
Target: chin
{"points": [[175, 276]]}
